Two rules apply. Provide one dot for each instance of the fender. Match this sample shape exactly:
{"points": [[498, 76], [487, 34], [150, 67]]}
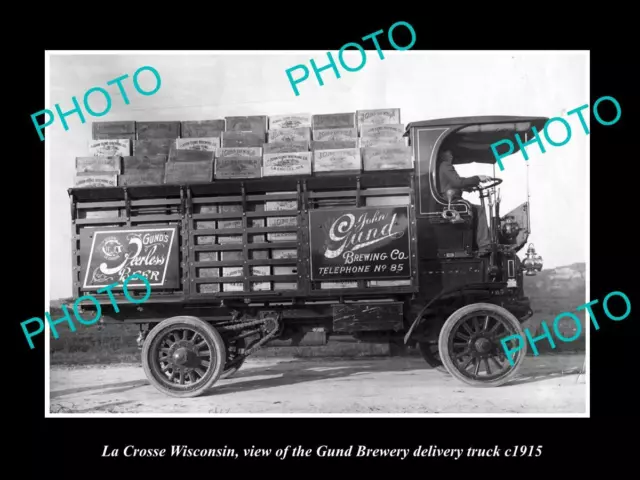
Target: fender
{"points": [[474, 286]]}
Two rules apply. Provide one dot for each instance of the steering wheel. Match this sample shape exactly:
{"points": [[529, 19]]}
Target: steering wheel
{"points": [[494, 183]]}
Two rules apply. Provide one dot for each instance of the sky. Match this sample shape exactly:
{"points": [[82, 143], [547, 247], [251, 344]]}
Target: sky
{"points": [[424, 85]]}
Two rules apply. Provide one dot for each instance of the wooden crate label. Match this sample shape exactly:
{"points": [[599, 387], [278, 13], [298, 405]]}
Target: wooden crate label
{"points": [[379, 116], [208, 287], [110, 148], [190, 156], [387, 201], [202, 128], [289, 135], [242, 139], [332, 285], [96, 179], [337, 160], [144, 177], [292, 147], [238, 167], [285, 270], [116, 136], [294, 120], [113, 128], [204, 208], [388, 283], [186, 172], [382, 142], [255, 124], [334, 145], [387, 158], [334, 134], [208, 272], [281, 221], [90, 214], [143, 162], [239, 152], [201, 143], [382, 131], [232, 272], [260, 271], [284, 253], [206, 256], [98, 164], [276, 164], [146, 130], [153, 146], [232, 255], [334, 120]]}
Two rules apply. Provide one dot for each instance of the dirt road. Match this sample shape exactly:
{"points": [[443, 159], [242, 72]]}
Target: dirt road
{"points": [[547, 384]]}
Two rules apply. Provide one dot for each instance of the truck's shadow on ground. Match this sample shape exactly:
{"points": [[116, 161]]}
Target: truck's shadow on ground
{"points": [[300, 371]]}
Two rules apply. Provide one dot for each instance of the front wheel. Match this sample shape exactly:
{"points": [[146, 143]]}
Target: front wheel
{"points": [[183, 356], [470, 347]]}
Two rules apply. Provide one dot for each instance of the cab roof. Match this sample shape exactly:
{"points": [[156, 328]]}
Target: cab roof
{"points": [[472, 143]]}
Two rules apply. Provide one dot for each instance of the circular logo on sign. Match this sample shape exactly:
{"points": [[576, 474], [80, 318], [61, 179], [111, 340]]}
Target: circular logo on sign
{"points": [[111, 248]]}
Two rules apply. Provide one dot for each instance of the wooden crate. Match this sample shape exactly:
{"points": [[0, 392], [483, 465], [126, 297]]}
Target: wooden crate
{"points": [[293, 147], [99, 164], [143, 162], [112, 128], [387, 158], [334, 145], [202, 128], [142, 177], [391, 131], [238, 167], [255, 124], [281, 221], [382, 142], [153, 146], [335, 134], [343, 160], [95, 179], [190, 155], [147, 130], [278, 164], [294, 120], [189, 172], [116, 136], [239, 152], [110, 148], [209, 144], [334, 120], [242, 139], [289, 135], [378, 116]]}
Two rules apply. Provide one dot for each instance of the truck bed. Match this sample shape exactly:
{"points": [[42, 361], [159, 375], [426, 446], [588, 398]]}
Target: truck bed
{"points": [[190, 237]]}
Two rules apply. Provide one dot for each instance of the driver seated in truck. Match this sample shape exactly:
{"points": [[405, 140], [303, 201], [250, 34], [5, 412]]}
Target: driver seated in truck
{"points": [[449, 179]]}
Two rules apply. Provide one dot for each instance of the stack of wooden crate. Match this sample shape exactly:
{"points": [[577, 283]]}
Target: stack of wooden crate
{"points": [[240, 155], [335, 143], [381, 138], [191, 157]]}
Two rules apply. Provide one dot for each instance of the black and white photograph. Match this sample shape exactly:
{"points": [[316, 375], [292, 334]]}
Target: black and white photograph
{"points": [[375, 233]]}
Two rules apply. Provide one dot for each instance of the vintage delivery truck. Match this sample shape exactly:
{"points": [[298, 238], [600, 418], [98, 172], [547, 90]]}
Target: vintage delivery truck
{"points": [[230, 275]]}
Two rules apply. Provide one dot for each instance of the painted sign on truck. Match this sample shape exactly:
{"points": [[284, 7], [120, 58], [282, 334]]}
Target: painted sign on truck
{"points": [[117, 253], [360, 243]]}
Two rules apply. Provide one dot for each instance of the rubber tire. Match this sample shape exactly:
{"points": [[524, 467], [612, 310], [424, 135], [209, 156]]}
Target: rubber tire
{"points": [[430, 359], [219, 355], [443, 343], [232, 371]]}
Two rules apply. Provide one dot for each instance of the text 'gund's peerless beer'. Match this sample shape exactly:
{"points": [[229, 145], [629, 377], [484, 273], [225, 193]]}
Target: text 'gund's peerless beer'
{"points": [[119, 252], [360, 243]]}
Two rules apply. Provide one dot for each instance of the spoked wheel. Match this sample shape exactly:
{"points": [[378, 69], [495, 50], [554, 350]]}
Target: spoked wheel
{"points": [[470, 345], [183, 356], [431, 353]]}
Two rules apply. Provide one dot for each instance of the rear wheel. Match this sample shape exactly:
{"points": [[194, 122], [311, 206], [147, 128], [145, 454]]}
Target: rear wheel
{"points": [[183, 356], [470, 346]]}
